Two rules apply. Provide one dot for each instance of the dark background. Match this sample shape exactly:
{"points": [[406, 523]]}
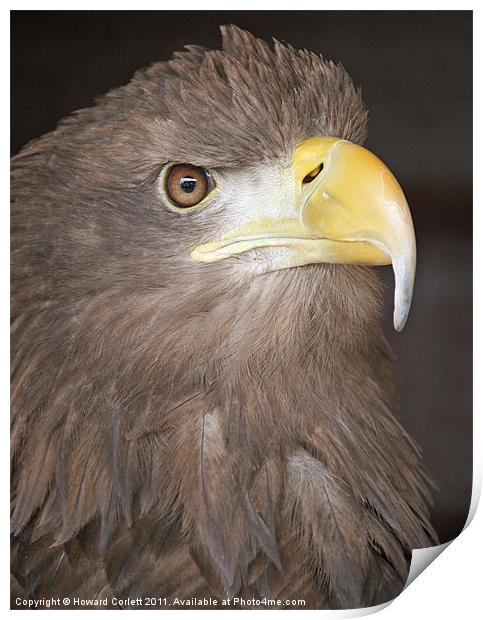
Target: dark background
{"points": [[415, 68]]}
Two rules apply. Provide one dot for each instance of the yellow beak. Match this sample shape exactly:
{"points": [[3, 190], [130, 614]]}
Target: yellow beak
{"points": [[348, 208]]}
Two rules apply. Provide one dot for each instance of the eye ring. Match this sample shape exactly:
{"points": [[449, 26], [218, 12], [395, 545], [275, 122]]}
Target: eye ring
{"points": [[186, 186]]}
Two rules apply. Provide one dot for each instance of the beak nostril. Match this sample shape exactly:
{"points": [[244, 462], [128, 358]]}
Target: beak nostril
{"points": [[313, 174]]}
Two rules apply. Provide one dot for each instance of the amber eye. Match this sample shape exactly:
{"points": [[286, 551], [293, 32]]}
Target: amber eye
{"points": [[187, 185]]}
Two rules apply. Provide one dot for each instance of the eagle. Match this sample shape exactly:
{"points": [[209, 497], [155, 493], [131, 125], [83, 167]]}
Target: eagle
{"points": [[202, 393]]}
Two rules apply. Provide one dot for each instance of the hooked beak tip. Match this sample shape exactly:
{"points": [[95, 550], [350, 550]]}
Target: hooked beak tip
{"points": [[400, 321], [404, 271]]}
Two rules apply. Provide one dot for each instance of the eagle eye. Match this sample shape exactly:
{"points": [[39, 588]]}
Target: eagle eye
{"points": [[186, 186]]}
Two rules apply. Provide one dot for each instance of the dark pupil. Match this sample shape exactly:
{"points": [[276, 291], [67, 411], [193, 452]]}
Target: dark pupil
{"points": [[188, 184]]}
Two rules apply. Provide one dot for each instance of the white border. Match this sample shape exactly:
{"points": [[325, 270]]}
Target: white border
{"points": [[451, 587]]}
